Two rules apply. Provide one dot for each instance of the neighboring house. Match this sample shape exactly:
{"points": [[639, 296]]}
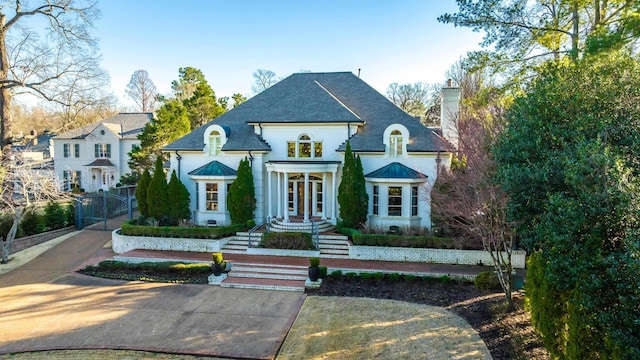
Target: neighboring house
{"points": [[94, 156], [295, 135], [34, 147]]}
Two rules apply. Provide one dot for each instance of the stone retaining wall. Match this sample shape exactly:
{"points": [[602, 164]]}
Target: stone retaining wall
{"points": [[121, 243], [33, 240], [437, 256]]}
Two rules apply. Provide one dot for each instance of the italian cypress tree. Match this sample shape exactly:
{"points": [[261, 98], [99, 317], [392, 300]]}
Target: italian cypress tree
{"points": [[347, 198], [361, 190], [141, 193], [157, 193], [241, 200], [178, 198]]}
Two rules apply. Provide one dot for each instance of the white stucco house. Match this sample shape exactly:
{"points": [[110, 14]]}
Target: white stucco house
{"points": [[295, 134], [94, 156]]}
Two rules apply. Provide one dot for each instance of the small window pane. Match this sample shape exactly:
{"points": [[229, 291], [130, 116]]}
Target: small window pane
{"points": [[291, 149], [395, 201], [317, 149], [212, 196], [304, 150]]}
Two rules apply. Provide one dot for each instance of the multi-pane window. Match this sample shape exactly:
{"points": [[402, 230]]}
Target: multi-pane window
{"points": [[414, 201], [376, 192], [395, 201], [103, 150], [215, 143], [319, 197], [66, 149], [304, 148], [76, 150], [395, 143], [71, 179], [290, 196], [212, 196]]}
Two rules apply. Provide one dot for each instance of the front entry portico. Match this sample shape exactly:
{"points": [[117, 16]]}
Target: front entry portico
{"points": [[302, 188]]}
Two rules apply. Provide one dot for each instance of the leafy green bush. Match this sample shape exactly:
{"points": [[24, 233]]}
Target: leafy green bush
{"points": [[403, 241], [69, 215], [174, 267], [287, 240], [323, 272], [314, 261], [350, 232], [32, 223], [487, 280], [54, 216], [129, 229], [336, 273]]}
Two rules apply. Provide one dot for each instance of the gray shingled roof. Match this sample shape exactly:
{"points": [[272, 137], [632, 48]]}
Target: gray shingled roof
{"points": [[396, 170], [214, 168], [125, 125], [317, 98]]}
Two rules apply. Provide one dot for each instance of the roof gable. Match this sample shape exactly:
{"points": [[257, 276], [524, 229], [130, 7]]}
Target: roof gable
{"points": [[123, 125]]}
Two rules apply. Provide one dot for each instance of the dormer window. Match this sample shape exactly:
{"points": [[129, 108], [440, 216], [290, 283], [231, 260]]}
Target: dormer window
{"points": [[395, 143], [304, 147], [215, 143], [396, 137]]}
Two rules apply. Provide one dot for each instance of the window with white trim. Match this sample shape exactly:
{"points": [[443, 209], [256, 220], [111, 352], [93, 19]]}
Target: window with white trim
{"points": [[212, 196], [395, 201], [215, 143], [395, 143], [76, 150], [414, 201], [304, 147], [103, 150], [66, 150], [376, 196], [71, 179]]}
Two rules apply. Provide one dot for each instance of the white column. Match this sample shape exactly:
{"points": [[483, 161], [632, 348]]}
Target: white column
{"points": [[324, 196], [334, 198], [279, 175], [306, 197], [269, 197], [285, 198]]}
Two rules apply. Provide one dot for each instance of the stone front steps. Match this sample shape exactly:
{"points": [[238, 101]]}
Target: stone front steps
{"points": [[266, 276], [331, 246], [281, 226]]}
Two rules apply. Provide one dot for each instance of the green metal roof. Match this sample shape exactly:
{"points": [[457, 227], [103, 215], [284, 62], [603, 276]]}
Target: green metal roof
{"points": [[396, 170], [214, 168]]}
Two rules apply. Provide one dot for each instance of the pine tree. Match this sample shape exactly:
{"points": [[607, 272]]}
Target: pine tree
{"points": [[178, 198], [141, 193], [241, 200], [157, 193]]}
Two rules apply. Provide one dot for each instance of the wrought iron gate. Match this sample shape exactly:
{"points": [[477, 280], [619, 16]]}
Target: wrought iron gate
{"points": [[101, 206]]}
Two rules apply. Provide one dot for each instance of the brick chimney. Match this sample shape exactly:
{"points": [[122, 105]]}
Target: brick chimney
{"points": [[449, 109]]}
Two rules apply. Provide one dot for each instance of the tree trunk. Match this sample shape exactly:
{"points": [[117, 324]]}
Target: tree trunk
{"points": [[11, 235], [575, 35]]}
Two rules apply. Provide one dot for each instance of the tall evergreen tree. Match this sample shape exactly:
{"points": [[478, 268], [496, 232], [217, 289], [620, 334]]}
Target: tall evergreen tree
{"points": [[141, 193], [157, 193], [241, 200], [352, 195], [178, 198], [361, 188]]}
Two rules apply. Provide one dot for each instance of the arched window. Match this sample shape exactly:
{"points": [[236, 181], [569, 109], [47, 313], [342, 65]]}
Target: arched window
{"points": [[395, 143], [303, 147], [215, 143]]}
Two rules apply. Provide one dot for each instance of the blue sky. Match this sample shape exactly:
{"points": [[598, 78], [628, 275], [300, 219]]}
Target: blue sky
{"points": [[390, 41]]}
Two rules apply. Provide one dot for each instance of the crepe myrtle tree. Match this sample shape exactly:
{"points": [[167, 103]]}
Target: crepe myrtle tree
{"points": [[21, 190]]}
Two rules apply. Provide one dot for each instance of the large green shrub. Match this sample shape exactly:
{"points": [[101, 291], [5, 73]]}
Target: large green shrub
{"points": [[287, 240], [486, 280], [32, 223], [241, 200], [54, 216]]}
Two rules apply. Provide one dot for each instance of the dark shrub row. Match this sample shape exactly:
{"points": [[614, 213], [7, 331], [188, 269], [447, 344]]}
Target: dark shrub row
{"points": [[403, 241], [180, 232], [287, 240], [169, 267]]}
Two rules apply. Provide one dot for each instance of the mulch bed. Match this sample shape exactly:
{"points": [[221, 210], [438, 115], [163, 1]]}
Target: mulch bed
{"points": [[507, 332]]}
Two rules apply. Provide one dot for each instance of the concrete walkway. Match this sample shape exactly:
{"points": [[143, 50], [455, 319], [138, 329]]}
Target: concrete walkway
{"points": [[46, 306]]}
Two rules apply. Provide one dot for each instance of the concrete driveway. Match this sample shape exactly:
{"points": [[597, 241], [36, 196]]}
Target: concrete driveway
{"points": [[47, 306]]}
